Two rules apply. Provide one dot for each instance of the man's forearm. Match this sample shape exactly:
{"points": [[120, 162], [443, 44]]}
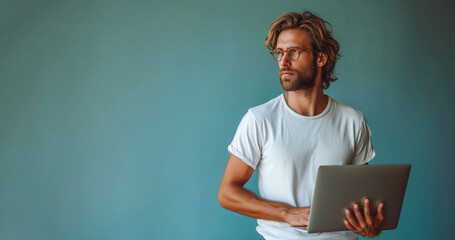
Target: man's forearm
{"points": [[238, 199]]}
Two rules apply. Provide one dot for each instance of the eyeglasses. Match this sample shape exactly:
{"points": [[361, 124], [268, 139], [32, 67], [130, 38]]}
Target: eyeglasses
{"points": [[293, 53]]}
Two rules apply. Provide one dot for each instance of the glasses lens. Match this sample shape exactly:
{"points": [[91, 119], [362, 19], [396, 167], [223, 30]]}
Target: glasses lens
{"points": [[277, 55], [294, 54]]}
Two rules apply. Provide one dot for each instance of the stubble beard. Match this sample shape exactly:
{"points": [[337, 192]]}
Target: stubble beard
{"points": [[301, 80]]}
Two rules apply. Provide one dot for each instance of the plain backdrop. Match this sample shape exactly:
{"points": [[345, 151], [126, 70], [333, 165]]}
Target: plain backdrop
{"points": [[115, 116]]}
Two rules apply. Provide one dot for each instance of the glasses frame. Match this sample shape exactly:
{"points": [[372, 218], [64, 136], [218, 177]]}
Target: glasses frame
{"points": [[299, 50]]}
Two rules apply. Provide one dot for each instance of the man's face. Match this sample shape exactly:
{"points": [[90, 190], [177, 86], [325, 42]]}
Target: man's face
{"points": [[296, 74]]}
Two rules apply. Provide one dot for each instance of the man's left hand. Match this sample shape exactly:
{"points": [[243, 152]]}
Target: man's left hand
{"points": [[364, 224]]}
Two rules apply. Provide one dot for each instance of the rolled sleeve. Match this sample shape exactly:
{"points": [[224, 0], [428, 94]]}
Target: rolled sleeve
{"points": [[246, 143], [364, 150]]}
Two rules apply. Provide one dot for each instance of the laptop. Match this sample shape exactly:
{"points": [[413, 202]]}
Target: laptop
{"points": [[339, 187]]}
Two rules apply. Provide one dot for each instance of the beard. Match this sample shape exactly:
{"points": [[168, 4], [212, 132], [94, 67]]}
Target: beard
{"points": [[301, 80]]}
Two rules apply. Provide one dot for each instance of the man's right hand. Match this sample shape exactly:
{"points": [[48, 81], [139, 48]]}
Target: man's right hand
{"points": [[298, 217]]}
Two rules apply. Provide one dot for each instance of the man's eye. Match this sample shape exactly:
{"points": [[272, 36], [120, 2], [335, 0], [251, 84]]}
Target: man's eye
{"points": [[293, 51]]}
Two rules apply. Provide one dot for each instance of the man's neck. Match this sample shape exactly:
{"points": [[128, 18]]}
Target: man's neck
{"points": [[307, 102]]}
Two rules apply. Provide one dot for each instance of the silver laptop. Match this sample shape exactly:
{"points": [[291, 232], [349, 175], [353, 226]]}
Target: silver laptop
{"points": [[338, 187]]}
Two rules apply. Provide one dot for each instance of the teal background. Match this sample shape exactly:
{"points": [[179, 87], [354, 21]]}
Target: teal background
{"points": [[115, 116]]}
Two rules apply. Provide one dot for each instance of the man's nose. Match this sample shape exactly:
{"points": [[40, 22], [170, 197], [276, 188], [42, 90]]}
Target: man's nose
{"points": [[285, 60]]}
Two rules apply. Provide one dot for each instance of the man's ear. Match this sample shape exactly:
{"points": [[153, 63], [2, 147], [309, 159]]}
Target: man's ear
{"points": [[321, 59]]}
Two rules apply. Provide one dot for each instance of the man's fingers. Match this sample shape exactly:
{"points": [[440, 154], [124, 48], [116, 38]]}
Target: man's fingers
{"points": [[349, 226], [359, 216], [366, 211], [298, 217], [379, 216], [352, 220]]}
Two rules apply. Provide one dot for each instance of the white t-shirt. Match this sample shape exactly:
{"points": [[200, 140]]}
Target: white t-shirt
{"points": [[287, 148]]}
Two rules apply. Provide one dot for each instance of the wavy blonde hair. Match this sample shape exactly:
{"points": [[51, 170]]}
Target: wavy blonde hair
{"points": [[321, 39]]}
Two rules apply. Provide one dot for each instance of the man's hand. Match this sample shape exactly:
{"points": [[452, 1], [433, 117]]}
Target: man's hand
{"points": [[298, 217], [364, 224]]}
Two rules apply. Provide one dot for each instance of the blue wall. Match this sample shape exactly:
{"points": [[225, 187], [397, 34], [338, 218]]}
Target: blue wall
{"points": [[115, 116]]}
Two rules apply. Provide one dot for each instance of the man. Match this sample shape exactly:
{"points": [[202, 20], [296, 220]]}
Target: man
{"points": [[289, 137]]}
